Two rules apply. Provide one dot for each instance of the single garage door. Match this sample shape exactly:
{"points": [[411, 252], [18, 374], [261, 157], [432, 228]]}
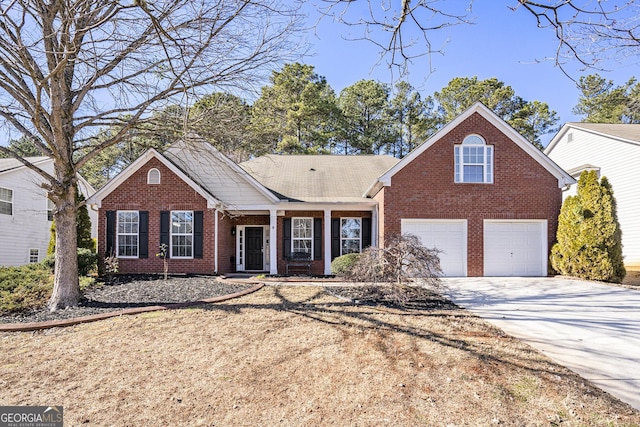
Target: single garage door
{"points": [[515, 248], [449, 236]]}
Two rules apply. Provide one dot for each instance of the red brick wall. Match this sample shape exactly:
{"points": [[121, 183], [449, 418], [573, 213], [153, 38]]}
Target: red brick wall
{"points": [[425, 188], [171, 194]]}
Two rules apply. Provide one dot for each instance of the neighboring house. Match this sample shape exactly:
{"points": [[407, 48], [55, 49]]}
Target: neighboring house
{"points": [[477, 190], [26, 212], [612, 150]]}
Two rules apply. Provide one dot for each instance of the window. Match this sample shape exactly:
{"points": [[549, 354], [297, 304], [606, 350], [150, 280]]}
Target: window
{"points": [[302, 235], [34, 255], [6, 201], [153, 176], [473, 161], [49, 210], [350, 235], [182, 234], [128, 227]]}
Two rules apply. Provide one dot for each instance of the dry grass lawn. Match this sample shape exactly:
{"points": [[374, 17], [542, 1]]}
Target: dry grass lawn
{"points": [[297, 356]]}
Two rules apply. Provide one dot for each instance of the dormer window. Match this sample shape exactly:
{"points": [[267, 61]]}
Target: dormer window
{"points": [[473, 161], [153, 176]]}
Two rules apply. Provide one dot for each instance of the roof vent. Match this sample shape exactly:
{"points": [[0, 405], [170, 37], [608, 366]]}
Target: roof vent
{"points": [[312, 169]]}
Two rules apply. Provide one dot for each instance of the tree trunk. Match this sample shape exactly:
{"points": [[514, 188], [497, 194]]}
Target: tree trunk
{"points": [[66, 287]]}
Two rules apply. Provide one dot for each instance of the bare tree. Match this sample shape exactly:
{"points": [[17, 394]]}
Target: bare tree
{"points": [[69, 67], [589, 31]]}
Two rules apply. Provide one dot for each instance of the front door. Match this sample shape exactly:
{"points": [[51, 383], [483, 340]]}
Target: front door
{"points": [[253, 249]]}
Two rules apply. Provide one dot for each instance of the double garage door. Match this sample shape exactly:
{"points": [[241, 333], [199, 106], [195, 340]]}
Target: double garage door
{"points": [[511, 248]]}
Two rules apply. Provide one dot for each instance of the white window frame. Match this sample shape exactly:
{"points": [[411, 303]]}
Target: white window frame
{"points": [[34, 252], [342, 239], [50, 208], [118, 234], [10, 202], [298, 239], [149, 180], [180, 234], [477, 143]]}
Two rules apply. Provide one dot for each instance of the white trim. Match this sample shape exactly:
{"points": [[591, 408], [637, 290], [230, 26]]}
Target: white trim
{"points": [[233, 165], [117, 248], [241, 231], [303, 238], [544, 247], [327, 241], [151, 153], [171, 234], [12, 201], [563, 178], [273, 239], [37, 256], [149, 176], [459, 163], [465, 234]]}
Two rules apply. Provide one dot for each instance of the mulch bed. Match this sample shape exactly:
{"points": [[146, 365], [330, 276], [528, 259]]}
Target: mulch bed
{"points": [[414, 297], [135, 291]]}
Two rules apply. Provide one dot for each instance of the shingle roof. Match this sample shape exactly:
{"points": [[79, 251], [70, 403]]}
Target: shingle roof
{"points": [[11, 163], [629, 132], [318, 178]]}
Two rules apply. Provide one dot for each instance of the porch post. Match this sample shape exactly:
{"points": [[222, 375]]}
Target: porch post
{"points": [[327, 241], [273, 241], [374, 226]]}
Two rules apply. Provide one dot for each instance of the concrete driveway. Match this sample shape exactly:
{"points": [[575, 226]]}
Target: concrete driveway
{"points": [[590, 328]]}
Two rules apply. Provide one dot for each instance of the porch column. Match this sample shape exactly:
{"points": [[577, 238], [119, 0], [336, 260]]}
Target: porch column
{"points": [[273, 242], [374, 226], [327, 241]]}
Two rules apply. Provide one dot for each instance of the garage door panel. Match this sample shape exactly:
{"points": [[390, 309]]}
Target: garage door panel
{"points": [[448, 236], [515, 248]]}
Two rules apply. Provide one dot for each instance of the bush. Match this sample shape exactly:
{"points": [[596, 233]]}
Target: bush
{"points": [[87, 261], [589, 240], [25, 287], [344, 263]]}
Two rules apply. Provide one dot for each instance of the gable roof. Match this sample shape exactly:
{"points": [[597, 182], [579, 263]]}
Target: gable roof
{"points": [[12, 163], [629, 133], [479, 108], [202, 161], [97, 198], [318, 178]]}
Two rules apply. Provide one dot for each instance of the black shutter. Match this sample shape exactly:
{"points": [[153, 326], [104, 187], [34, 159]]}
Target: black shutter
{"points": [[197, 234], [366, 232], [286, 237], [111, 233], [335, 238], [143, 234], [317, 238], [164, 230]]}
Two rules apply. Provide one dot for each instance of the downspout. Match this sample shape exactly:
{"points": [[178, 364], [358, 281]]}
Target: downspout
{"points": [[215, 243]]}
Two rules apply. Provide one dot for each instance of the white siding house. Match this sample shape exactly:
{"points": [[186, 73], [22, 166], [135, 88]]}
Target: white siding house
{"points": [[613, 150], [25, 211]]}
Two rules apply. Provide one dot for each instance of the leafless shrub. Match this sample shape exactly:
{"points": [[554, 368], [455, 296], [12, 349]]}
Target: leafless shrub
{"points": [[404, 262]]}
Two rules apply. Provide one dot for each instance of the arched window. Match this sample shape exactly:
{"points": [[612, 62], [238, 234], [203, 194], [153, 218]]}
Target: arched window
{"points": [[153, 176], [473, 161]]}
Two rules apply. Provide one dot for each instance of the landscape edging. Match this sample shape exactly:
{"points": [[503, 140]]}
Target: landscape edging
{"points": [[34, 326]]}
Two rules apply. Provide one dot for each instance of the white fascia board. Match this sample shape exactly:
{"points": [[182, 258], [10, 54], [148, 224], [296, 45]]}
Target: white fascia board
{"points": [[563, 178], [22, 166], [366, 205], [96, 199]]}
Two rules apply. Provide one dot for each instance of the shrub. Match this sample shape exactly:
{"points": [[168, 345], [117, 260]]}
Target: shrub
{"points": [[344, 263], [25, 287], [87, 261], [589, 239]]}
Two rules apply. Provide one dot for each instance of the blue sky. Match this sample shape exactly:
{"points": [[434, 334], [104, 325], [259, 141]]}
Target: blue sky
{"points": [[501, 43]]}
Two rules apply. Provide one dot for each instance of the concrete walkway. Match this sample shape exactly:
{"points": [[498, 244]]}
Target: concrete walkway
{"points": [[590, 328]]}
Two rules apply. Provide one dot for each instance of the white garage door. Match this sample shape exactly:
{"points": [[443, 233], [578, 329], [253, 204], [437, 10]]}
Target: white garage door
{"points": [[449, 236], [515, 248]]}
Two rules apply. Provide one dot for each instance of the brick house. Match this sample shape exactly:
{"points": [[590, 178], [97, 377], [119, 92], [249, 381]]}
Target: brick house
{"points": [[477, 190]]}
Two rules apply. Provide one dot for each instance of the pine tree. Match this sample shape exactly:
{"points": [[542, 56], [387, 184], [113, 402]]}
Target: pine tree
{"points": [[589, 236], [83, 229]]}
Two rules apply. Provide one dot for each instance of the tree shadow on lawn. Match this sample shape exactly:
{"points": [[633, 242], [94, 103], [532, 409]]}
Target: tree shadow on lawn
{"points": [[469, 333]]}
